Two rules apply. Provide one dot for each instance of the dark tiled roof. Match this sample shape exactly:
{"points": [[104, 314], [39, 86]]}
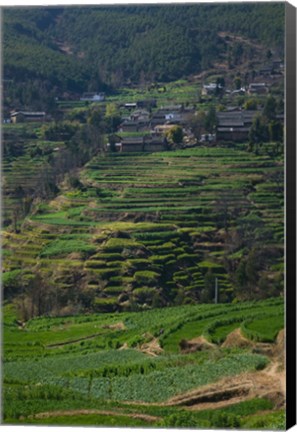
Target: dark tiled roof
{"points": [[236, 118], [231, 129], [27, 113], [132, 140]]}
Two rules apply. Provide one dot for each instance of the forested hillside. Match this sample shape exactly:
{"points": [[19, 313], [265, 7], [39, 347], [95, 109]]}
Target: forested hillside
{"points": [[78, 49]]}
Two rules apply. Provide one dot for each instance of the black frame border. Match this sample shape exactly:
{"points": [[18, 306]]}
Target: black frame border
{"points": [[290, 49]]}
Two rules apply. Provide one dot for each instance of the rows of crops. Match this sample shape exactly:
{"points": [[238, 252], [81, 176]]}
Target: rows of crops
{"points": [[53, 361], [148, 229]]}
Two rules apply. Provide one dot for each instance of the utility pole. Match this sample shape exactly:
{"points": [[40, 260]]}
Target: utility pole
{"points": [[216, 290]]}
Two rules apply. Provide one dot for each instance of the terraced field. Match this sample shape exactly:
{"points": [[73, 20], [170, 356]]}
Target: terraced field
{"points": [[25, 160], [138, 368], [140, 232], [159, 229]]}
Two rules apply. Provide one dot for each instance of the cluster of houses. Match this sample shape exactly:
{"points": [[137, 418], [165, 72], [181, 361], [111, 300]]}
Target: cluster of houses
{"points": [[258, 88], [151, 123], [157, 122], [269, 73], [153, 126]]}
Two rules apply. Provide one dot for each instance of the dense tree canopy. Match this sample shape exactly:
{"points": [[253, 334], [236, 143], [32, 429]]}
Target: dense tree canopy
{"points": [[80, 48]]}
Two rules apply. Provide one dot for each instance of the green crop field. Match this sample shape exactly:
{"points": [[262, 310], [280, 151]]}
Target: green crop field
{"points": [[60, 370]]}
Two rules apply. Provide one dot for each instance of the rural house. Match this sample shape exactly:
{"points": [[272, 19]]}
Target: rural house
{"points": [[142, 144], [147, 103], [26, 116], [140, 114], [93, 97], [157, 119], [130, 105], [134, 126], [155, 144], [162, 128], [171, 109], [258, 88], [210, 89], [234, 125], [173, 117], [132, 144]]}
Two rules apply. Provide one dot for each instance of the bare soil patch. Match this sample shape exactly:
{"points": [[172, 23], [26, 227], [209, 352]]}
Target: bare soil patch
{"points": [[236, 339], [63, 413], [151, 348], [61, 344], [196, 344], [124, 346], [117, 326]]}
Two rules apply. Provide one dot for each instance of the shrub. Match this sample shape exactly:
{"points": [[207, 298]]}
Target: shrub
{"points": [[144, 295], [225, 420], [118, 244], [183, 420], [105, 304], [146, 277]]}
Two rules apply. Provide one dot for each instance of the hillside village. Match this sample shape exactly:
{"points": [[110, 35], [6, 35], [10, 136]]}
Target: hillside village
{"points": [[143, 220], [217, 111], [236, 108]]}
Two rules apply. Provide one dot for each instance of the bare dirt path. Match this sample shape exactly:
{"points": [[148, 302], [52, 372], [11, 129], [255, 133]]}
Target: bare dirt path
{"points": [[151, 348], [66, 413], [60, 344]]}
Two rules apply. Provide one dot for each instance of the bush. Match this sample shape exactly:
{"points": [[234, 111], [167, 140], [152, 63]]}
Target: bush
{"points": [[225, 420], [118, 244], [105, 304], [146, 277], [183, 420], [144, 295]]}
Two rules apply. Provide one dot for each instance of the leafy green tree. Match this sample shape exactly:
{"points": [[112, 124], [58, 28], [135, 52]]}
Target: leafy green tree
{"points": [[268, 54], [112, 142], [175, 134], [211, 119], [275, 131], [208, 292], [59, 131], [197, 123], [237, 53], [237, 82], [251, 104], [258, 133], [270, 107], [95, 118], [112, 117]]}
